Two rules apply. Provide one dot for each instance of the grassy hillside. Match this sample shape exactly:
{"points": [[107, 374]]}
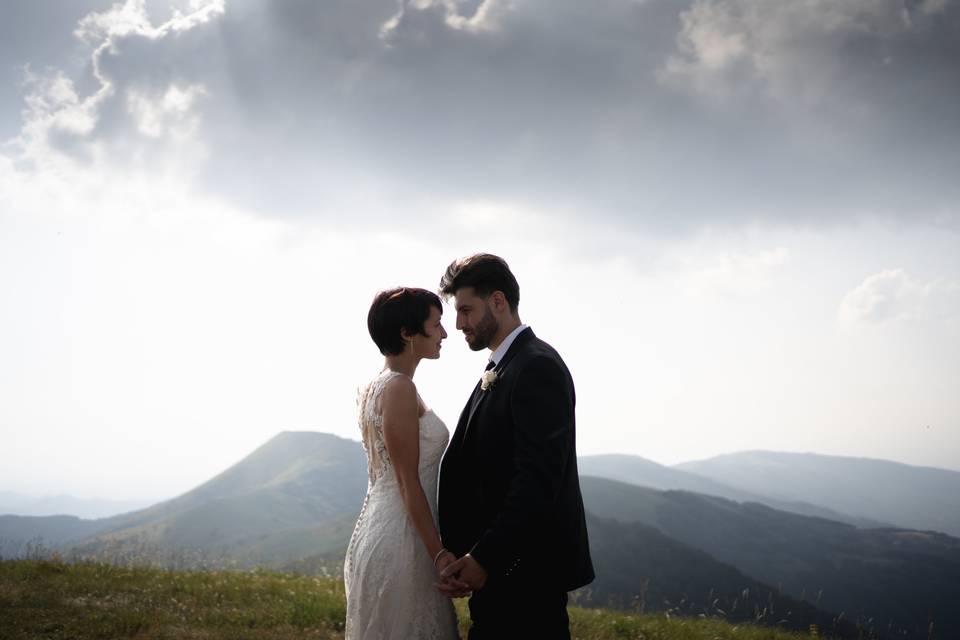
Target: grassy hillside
{"points": [[56, 601]]}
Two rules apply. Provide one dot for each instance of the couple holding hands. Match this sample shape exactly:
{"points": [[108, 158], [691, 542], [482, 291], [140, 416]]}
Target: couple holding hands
{"points": [[493, 512]]}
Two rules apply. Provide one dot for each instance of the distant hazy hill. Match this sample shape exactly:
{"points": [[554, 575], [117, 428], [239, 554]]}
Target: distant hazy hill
{"points": [[913, 497], [297, 494], [646, 473], [64, 505], [895, 577], [17, 533]]}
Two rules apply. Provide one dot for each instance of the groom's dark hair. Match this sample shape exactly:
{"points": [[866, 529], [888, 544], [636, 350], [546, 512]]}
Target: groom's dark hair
{"points": [[485, 273], [396, 309]]}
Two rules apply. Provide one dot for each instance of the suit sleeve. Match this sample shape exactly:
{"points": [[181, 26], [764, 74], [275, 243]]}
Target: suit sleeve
{"points": [[542, 408]]}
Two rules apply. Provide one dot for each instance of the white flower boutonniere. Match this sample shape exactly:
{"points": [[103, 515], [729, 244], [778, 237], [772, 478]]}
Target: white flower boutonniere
{"points": [[488, 379]]}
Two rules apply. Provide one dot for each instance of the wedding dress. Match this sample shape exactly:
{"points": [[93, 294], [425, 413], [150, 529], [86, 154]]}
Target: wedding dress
{"points": [[388, 574]]}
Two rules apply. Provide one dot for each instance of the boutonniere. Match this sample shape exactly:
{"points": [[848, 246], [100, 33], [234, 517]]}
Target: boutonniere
{"points": [[488, 379]]}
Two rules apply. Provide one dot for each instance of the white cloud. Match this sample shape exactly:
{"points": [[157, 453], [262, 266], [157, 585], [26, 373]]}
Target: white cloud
{"points": [[53, 106], [710, 43], [122, 126], [798, 54], [132, 18], [892, 295], [477, 16], [166, 114]]}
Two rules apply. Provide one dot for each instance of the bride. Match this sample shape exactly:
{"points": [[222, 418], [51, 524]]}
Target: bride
{"points": [[395, 554]]}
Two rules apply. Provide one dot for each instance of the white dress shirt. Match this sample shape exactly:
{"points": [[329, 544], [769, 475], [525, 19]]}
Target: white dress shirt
{"points": [[497, 355]]}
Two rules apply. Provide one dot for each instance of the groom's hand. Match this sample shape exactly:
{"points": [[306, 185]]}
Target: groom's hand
{"points": [[468, 571], [450, 587]]}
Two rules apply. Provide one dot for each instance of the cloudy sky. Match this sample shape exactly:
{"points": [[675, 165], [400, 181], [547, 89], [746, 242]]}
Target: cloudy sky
{"points": [[738, 220]]}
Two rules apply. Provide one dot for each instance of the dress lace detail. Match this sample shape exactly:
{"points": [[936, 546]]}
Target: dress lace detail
{"points": [[371, 426], [388, 574]]}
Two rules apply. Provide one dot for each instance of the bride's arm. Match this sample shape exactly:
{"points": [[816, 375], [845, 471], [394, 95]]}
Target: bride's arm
{"points": [[401, 433]]}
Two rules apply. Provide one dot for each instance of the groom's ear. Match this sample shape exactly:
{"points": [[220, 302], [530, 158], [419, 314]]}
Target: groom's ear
{"points": [[499, 301]]}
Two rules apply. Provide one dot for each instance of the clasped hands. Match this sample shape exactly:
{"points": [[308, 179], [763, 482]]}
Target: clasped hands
{"points": [[459, 577]]}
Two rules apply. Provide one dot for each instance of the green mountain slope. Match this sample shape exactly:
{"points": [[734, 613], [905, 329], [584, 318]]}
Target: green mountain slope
{"points": [[296, 495], [640, 568], [898, 578]]}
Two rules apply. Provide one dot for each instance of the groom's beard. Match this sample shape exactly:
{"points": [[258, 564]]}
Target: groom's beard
{"points": [[484, 331]]}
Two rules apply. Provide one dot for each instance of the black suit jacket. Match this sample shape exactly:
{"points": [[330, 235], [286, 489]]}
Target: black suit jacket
{"points": [[509, 489]]}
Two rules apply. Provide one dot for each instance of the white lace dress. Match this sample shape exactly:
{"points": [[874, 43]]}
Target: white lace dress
{"points": [[388, 574]]}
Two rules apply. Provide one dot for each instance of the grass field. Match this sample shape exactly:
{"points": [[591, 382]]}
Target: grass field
{"points": [[59, 601]]}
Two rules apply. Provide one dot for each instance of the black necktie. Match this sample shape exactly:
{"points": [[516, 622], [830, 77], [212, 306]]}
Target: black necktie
{"points": [[478, 391]]}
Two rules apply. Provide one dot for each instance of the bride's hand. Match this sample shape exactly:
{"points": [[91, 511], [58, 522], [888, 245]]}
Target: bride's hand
{"points": [[443, 559]]}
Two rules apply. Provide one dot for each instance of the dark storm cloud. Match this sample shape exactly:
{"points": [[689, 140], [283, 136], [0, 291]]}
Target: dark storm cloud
{"points": [[662, 112]]}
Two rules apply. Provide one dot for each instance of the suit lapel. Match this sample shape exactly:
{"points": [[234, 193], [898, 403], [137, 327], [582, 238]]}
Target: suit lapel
{"points": [[475, 400], [456, 440]]}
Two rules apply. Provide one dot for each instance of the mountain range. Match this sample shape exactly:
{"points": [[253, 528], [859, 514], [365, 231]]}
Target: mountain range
{"points": [[879, 577], [646, 473], [685, 542], [906, 496]]}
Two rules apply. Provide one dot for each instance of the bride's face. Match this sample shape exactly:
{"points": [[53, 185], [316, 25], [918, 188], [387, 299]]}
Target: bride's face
{"points": [[428, 345]]}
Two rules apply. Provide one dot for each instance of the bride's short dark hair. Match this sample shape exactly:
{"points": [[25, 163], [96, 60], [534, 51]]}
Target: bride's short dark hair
{"points": [[399, 308], [485, 273]]}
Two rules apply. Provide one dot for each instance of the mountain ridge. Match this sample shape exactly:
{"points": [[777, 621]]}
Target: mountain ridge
{"points": [[15, 504], [857, 571], [269, 506], [641, 471], [916, 497]]}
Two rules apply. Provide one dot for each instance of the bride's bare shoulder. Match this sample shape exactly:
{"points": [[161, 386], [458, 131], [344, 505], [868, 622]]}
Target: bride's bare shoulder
{"points": [[399, 393]]}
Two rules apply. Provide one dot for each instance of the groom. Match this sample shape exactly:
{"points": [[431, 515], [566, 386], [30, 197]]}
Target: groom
{"points": [[509, 500]]}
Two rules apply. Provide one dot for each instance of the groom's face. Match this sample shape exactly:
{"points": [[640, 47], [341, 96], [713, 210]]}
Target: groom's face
{"points": [[475, 318]]}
